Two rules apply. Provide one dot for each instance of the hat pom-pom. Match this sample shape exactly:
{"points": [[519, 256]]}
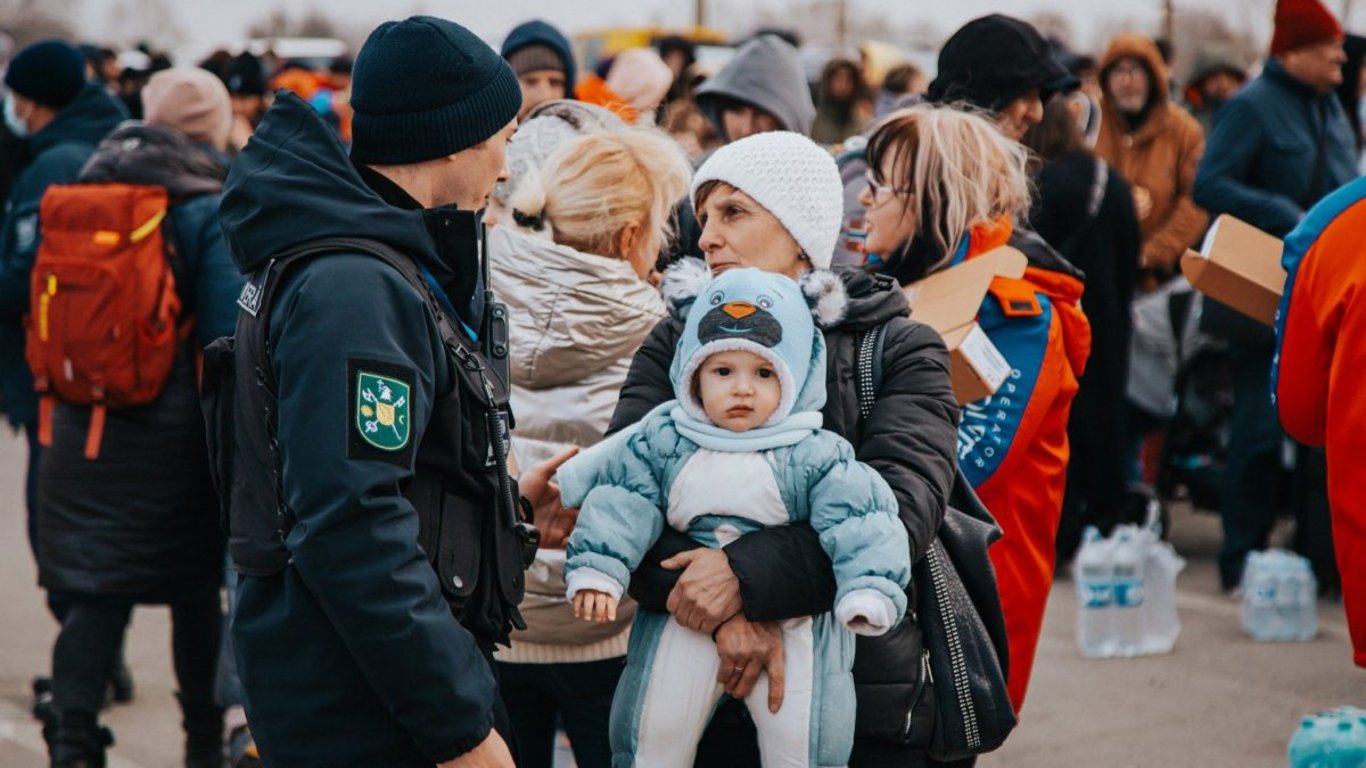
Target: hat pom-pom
{"points": [[825, 294], [682, 284]]}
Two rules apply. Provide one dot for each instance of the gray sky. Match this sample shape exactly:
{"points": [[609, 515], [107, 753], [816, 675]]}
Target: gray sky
{"points": [[207, 22]]}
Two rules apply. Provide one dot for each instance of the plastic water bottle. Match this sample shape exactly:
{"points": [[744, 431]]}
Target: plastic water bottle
{"points": [[1128, 564], [1306, 607], [1308, 745], [1346, 744], [1279, 597], [1094, 576], [1259, 596], [1349, 743], [1332, 739], [1161, 566]]}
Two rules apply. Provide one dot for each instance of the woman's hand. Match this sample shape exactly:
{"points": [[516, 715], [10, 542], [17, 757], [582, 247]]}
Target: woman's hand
{"points": [[707, 594], [747, 649], [551, 518]]}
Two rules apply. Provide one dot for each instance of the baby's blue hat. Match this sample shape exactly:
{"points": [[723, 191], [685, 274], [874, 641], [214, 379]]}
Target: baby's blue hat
{"points": [[760, 312]]}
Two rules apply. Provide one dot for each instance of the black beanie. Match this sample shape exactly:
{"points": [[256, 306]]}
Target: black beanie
{"points": [[50, 72], [994, 60], [425, 88], [245, 76]]}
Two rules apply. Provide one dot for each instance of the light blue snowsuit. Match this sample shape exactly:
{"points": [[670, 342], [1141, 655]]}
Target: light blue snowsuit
{"points": [[717, 485]]}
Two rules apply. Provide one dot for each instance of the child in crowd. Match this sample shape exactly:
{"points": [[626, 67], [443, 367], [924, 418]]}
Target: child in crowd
{"points": [[740, 449]]}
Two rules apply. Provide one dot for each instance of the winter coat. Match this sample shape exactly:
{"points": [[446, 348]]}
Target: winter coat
{"points": [[1159, 155], [1087, 211], [1260, 159], [577, 319], [1321, 330], [1012, 446], [351, 654], [142, 519], [537, 32], [58, 151], [909, 439], [1260, 167], [765, 73]]}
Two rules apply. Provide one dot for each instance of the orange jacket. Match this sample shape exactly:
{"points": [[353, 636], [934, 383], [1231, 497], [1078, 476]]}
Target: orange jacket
{"points": [[1319, 370], [1160, 156], [1012, 446]]}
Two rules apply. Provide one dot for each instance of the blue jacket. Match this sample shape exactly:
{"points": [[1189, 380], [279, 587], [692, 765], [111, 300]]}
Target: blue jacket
{"points": [[539, 32], [1259, 160], [59, 151], [351, 655]]}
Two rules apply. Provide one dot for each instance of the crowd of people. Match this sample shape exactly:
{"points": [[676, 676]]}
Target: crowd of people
{"points": [[525, 400]]}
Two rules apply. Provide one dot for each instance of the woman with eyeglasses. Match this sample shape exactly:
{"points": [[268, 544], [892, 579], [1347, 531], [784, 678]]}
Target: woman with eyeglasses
{"points": [[773, 201], [946, 186]]}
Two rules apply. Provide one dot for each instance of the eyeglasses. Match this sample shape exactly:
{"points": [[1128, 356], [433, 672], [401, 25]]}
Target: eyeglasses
{"points": [[880, 191]]}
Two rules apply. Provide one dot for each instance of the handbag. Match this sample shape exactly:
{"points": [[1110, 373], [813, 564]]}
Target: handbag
{"points": [[957, 605]]}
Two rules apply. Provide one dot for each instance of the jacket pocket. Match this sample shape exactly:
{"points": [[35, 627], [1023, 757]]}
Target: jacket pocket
{"points": [[896, 713], [459, 547]]}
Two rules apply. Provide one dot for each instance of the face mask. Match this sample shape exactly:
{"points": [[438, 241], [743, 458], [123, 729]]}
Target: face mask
{"points": [[16, 124]]}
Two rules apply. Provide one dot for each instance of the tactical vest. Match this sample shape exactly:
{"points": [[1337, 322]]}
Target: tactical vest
{"points": [[467, 505]]}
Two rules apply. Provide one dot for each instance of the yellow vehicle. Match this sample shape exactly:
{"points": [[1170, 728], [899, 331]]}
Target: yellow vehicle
{"points": [[594, 45]]}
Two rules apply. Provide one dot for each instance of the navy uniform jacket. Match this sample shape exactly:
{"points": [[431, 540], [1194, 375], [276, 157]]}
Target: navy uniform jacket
{"points": [[350, 656]]}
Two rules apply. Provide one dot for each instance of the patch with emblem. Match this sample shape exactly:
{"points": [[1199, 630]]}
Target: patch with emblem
{"points": [[381, 411]]}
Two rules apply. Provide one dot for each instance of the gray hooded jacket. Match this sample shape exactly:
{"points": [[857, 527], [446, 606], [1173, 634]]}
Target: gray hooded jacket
{"points": [[767, 74]]}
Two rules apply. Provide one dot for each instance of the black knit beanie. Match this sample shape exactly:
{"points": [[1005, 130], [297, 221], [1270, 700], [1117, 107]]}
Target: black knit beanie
{"points": [[50, 72], [425, 88], [991, 61]]}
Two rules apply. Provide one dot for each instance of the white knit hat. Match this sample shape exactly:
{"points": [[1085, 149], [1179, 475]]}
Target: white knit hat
{"points": [[792, 177]]}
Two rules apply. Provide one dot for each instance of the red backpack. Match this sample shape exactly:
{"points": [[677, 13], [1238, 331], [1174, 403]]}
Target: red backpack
{"points": [[105, 320]]}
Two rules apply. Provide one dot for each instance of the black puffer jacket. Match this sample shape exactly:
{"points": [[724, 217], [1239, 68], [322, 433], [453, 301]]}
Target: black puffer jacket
{"points": [[910, 439], [142, 519]]}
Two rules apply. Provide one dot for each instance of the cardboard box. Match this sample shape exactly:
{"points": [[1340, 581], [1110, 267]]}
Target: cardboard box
{"points": [[948, 302], [1239, 265]]}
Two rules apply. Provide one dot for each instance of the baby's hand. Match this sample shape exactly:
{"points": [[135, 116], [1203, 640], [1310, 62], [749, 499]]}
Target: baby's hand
{"points": [[591, 605]]}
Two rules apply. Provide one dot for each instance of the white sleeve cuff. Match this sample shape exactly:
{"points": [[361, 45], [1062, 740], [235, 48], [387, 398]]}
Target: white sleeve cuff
{"points": [[580, 579], [873, 611]]}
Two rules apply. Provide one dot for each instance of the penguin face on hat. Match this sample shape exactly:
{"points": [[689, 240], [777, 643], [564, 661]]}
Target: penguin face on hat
{"points": [[759, 312]]}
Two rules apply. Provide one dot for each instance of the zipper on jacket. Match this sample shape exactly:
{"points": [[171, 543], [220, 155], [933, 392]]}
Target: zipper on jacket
{"points": [[957, 658], [926, 677]]}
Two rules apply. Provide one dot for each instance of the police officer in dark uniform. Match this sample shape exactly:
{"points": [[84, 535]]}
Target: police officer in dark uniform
{"points": [[358, 416]]}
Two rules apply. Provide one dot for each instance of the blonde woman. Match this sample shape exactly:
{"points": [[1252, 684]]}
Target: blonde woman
{"points": [[572, 260], [946, 186]]}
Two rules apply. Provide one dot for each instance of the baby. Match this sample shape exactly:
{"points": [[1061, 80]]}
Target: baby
{"points": [[741, 449]]}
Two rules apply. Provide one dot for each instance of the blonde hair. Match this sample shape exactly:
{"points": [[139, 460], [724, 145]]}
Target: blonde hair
{"points": [[592, 188], [958, 167]]}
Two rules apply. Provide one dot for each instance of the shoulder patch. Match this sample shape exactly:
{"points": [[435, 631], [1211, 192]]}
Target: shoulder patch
{"points": [[380, 412]]}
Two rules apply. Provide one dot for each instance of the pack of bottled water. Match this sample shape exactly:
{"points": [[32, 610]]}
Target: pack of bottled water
{"points": [[1331, 739], [1280, 597], [1126, 591]]}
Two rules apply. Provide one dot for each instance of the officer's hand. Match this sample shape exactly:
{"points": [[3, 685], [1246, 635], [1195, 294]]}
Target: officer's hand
{"points": [[591, 605], [555, 524], [707, 593], [746, 649], [492, 752], [536, 485]]}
